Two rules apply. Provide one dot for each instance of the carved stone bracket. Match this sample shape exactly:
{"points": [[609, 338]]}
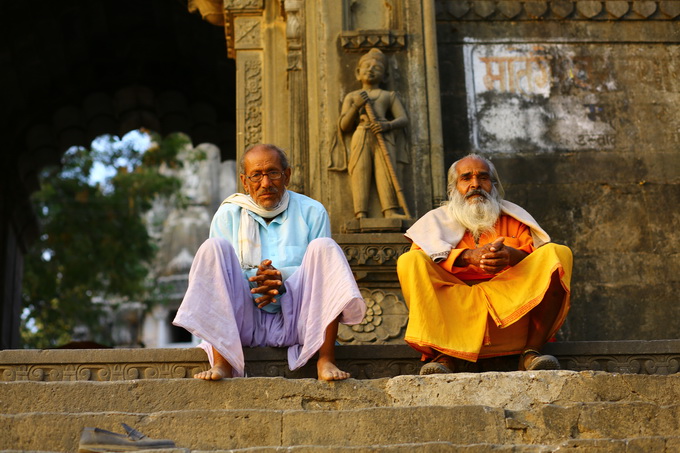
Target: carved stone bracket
{"points": [[240, 9], [557, 10], [247, 33], [363, 40]]}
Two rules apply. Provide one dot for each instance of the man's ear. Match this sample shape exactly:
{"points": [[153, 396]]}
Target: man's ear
{"points": [[243, 182], [286, 174]]}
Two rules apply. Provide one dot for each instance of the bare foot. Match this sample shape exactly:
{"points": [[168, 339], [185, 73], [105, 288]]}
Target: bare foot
{"points": [[215, 373], [328, 371]]}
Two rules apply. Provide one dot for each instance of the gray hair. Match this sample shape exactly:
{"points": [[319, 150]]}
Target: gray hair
{"points": [[453, 175], [283, 159]]}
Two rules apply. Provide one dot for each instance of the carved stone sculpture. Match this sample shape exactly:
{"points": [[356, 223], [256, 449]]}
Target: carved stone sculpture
{"points": [[371, 131]]}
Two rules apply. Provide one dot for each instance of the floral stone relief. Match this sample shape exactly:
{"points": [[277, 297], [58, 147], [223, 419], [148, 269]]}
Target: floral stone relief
{"points": [[384, 323]]}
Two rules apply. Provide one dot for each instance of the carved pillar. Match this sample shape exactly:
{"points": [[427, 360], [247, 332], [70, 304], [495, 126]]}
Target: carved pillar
{"points": [[264, 38], [244, 39], [298, 151]]}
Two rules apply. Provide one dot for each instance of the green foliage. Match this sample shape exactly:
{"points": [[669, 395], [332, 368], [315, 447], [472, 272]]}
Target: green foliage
{"points": [[94, 243]]}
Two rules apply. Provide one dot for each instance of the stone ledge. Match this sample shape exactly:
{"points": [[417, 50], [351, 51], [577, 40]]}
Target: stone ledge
{"points": [[363, 362]]}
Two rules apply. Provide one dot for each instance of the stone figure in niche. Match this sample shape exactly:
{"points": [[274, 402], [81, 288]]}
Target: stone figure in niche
{"points": [[371, 127]]}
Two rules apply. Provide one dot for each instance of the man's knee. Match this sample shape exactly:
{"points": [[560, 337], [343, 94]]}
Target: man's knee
{"points": [[218, 246], [562, 252], [409, 260], [216, 243], [322, 244]]}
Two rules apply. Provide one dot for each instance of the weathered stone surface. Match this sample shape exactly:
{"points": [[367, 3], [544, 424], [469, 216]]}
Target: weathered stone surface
{"points": [[523, 390], [595, 152], [153, 395], [533, 411], [464, 424], [643, 444], [426, 447], [203, 429]]}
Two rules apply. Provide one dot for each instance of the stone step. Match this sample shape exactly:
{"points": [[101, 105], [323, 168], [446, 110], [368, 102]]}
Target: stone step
{"points": [[518, 390], [534, 409], [632, 445], [363, 362], [462, 425]]}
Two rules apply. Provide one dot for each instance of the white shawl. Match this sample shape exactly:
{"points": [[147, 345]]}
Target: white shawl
{"points": [[437, 232], [249, 245]]}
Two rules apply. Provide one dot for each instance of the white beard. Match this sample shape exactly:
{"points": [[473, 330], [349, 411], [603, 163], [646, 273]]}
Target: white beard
{"points": [[479, 214]]}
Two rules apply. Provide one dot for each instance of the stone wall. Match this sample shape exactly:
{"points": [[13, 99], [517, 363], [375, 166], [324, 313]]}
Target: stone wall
{"points": [[576, 103]]}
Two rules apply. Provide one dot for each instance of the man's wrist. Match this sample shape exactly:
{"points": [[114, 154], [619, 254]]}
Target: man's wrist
{"points": [[463, 259]]}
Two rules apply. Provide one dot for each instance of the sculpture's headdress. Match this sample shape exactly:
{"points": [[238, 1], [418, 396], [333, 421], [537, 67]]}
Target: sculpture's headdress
{"points": [[374, 54]]}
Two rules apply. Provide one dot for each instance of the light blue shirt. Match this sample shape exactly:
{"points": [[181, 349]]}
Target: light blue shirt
{"points": [[284, 240]]}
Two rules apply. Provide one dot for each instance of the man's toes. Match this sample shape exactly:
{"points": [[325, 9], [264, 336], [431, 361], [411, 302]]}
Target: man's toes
{"points": [[212, 374], [337, 375], [201, 375]]}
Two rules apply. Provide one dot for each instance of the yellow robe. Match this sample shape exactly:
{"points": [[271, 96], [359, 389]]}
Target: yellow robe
{"points": [[480, 315]]}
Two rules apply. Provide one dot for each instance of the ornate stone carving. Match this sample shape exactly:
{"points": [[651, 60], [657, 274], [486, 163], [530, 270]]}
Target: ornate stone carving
{"points": [[243, 4], [100, 372], [386, 317], [557, 10], [362, 361], [239, 28], [378, 255], [363, 40], [247, 33], [636, 364], [253, 101]]}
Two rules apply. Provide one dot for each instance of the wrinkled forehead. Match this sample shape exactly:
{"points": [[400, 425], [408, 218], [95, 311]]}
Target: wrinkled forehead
{"points": [[472, 166], [262, 157]]}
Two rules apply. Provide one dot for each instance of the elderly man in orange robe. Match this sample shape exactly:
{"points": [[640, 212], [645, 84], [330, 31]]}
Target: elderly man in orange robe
{"points": [[482, 278]]}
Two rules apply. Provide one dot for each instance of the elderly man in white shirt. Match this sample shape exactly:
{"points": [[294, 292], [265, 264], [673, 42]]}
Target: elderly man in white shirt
{"points": [[269, 275]]}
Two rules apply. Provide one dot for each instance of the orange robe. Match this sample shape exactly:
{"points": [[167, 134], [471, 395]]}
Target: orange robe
{"points": [[467, 313]]}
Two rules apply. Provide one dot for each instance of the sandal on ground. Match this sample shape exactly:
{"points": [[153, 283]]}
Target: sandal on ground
{"points": [[539, 362], [442, 364]]}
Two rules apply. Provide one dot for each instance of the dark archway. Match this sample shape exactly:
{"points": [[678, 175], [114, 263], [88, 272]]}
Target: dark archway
{"points": [[75, 69]]}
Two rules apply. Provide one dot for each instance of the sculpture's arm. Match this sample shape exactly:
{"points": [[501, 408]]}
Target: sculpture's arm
{"points": [[349, 112], [398, 112]]}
